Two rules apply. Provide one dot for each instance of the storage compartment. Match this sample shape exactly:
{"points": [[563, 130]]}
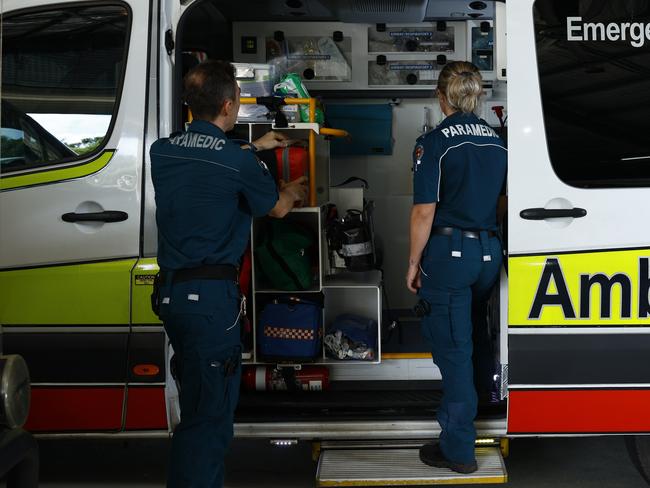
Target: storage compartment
{"points": [[370, 127], [289, 327], [288, 252], [357, 294], [317, 58], [423, 38], [324, 54], [340, 56], [301, 132], [254, 80], [391, 73], [481, 48]]}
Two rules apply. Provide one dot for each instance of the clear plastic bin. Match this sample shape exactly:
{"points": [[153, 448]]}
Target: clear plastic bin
{"points": [[254, 80]]}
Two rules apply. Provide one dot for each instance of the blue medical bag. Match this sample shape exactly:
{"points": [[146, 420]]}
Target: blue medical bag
{"points": [[352, 336], [290, 329]]}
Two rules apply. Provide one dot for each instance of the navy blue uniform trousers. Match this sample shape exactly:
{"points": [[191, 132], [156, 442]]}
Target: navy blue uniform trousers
{"points": [[449, 285], [205, 335]]}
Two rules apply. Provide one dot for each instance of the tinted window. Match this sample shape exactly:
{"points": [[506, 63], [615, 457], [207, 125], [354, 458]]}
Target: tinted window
{"points": [[594, 69], [61, 75]]}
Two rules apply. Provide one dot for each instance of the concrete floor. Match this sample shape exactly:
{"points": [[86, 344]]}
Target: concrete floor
{"points": [[533, 463]]}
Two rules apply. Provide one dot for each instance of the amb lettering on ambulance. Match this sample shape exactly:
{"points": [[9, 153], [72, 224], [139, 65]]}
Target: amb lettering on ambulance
{"points": [[569, 320], [606, 288]]}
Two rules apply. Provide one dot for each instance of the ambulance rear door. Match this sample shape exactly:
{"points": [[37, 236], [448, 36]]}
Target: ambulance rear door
{"points": [[579, 239], [73, 103]]}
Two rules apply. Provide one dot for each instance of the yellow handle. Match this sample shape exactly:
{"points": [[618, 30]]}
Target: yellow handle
{"points": [[326, 131]]}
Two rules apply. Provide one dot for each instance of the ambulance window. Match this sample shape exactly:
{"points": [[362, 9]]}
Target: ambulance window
{"points": [[594, 69], [62, 72]]}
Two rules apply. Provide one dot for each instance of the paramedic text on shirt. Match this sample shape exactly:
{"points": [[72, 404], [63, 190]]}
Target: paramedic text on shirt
{"points": [[459, 170], [208, 189]]}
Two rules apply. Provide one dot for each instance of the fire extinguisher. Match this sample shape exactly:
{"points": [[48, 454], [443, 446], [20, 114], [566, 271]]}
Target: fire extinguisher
{"points": [[269, 378]]}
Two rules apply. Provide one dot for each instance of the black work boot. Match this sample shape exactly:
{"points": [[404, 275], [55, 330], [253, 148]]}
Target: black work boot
{"points": [[432, 455]]}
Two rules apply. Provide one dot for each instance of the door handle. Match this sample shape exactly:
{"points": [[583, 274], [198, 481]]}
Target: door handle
{"points": [[551, 213], [105, 216]]}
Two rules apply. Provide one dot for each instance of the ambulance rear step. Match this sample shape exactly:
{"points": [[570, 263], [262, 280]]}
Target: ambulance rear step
{"points": [[392, 463]]}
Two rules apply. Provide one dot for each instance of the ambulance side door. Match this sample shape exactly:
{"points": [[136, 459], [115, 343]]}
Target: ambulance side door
{"points": [[579, 239], [71, 157]]}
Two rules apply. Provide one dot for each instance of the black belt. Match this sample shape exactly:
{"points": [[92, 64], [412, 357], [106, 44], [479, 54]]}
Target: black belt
{"points": [[205, 272], [470, 234]]}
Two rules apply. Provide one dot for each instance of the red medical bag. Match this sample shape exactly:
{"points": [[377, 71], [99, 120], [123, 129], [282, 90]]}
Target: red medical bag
{"points": [[293, 162]]}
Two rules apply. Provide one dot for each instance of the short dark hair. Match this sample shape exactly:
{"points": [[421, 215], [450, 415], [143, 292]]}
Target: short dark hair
{"points": [[208, 86]]}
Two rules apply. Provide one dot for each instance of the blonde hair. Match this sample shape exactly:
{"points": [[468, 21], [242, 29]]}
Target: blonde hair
{"points": [[462, 85]]}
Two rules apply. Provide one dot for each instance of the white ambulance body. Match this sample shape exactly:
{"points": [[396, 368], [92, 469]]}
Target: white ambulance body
{"points": [[88, 86]]}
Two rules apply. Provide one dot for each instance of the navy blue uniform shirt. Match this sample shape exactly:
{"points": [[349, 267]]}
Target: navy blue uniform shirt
{"points": [[207, 191], [461, 165]]}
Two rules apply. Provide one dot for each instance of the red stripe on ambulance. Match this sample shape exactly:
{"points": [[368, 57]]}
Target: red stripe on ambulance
{"points": [[145, 408], [75, 409], [578, 411]]}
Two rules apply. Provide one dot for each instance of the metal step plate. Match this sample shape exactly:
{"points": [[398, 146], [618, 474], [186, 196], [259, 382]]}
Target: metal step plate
{"points": [[401, 467]]}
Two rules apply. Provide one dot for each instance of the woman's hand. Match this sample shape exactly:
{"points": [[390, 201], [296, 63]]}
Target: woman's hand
{"points": [[413, 277]]}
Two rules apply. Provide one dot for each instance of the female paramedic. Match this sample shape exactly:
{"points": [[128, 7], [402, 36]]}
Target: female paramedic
{"points": [[458, 172]]}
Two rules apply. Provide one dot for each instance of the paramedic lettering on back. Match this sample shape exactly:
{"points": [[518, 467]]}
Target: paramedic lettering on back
{"points": [[455, 256], [207, 190]]}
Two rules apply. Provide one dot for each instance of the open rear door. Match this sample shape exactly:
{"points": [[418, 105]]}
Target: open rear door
{"points": [[71, 144], [579, 172]]}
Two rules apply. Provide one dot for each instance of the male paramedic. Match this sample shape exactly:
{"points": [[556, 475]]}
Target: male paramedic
{"points": [[207, 190], [459, 172]]}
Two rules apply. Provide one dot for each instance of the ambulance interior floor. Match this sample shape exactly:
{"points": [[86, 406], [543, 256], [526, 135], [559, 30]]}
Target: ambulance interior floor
{"points": [[407, 336], [354, 400], [587, 462], [404, 338], [349, 400]]}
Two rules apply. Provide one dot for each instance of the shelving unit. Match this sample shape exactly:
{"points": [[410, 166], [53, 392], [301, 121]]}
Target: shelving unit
{"points": [[309, 218], [355, 293], [347, 292]]}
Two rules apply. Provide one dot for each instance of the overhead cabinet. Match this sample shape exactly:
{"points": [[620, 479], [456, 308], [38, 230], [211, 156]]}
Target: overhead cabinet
{"points": [[343, 56]]}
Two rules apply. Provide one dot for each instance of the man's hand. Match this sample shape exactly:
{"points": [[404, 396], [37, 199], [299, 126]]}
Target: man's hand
{"points": [[297, 189], [413, 278], [271, 140], [292, 195]]}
